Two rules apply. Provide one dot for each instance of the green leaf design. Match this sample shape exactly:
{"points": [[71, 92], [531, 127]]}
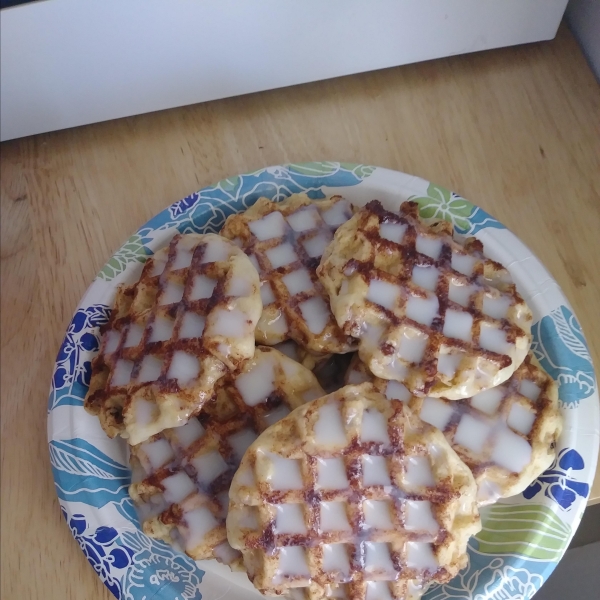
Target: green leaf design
{"points": [[361, 171], [231, 183], [313, 169], [428, 212], [441, 203], [133, 250], [529, 531]]}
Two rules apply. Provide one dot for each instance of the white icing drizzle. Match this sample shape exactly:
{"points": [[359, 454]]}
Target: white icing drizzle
{"points": [[420, 556], [374, 427], [202, 287], [172, 293], [395, 390], [329, 429], [375, 470], [192, 326], [412, 345], [158, 454], [297, 282], [425, 277], [285, 473], [377, 514], [331, 474], [448, 363], [511, 451], [436, 412], [419, 517], [316, 314], [241, 441], [529, 389], [430, 246], [488, 401], [257, 383], [150, 369], [334, 517], [266, 293], [493, 339], [394, 232], [183, 258], [178, 487], [184, 367], [187, 434], [460, 292], [422, 310], [292, 563], [208, 467], [520, 419], [122, 373], [463, 263], [336, 215], [112, 341], [270, 226], [304, 219], [144, 411], [198, 523], [355, 377], [335, 559], [378, 590], [290, 519], [497, 308], [134, 335], [458, 324], [418, 472], [383, 293], [281, 255], [217, 250], [315, 245], [228, 323], [378, 559], [472, 433], [162, 330]]}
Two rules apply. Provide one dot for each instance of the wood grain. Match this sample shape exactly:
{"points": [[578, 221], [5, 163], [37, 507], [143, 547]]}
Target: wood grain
{"points": [[515, 130]]}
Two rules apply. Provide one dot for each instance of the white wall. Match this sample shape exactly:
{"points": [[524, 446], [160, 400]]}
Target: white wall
{"points": [[70, 62], [583, 17]]}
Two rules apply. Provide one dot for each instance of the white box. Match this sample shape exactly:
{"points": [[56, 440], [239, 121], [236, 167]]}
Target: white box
{"points": [[71, 62]]}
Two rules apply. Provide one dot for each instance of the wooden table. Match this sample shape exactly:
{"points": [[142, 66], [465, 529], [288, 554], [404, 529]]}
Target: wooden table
{"points": [[515, 130]]}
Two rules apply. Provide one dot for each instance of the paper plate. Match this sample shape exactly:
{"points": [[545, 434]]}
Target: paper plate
{"points": [[523, 537]]}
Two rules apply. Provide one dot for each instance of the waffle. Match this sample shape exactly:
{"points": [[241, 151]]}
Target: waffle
{"points": [[429, 312], [285, 242], [172, 335], [506, 435], [182, 475], [351, 496]]}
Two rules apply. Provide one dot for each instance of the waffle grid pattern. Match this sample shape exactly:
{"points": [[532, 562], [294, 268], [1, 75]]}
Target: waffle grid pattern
{"points": [[183, 474], [428, 311], [370, 513], [505, 435], [285, 241], [172, 335]]}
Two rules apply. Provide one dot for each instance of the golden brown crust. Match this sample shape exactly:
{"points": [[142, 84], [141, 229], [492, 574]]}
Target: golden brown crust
{"points": [[194, 310], [303, 227], [341, 431], [210, 445], [494, 480], [394, 281]]}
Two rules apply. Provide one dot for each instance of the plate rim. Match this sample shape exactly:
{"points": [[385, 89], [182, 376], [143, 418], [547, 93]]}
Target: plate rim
{"points": [[467, 218]]}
